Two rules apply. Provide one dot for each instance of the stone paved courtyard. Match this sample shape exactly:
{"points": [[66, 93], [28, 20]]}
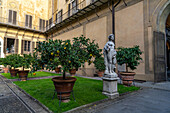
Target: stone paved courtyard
{"points": [[145, 101], [152, 98]]}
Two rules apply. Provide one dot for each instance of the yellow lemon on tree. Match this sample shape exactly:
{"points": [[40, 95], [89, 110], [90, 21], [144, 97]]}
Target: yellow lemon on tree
{"points": [[66, 43], [58, 51], [64, 47], [91, 55], [52, 53], [69, 61]]}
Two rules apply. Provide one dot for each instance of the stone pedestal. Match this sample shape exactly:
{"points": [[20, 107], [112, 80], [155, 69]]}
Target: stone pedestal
{"points": [[110, 87]]}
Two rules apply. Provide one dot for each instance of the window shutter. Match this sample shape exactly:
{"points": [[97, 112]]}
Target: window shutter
{"points": [[14, 17], [56, 18], [25, 45], [61, 14], [16, 46], [46, 24], [68, 9], [33, 47], [43, 25], [30, 24], [22, 47], [29, 46], [50, 22], [10, 16], [76, 4], [40, 24], [26, 21], [5, 45]]}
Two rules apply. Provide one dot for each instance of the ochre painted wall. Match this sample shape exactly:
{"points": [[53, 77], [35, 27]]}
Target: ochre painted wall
{"points": [[36, 8], [129, 28], [69, 35]]}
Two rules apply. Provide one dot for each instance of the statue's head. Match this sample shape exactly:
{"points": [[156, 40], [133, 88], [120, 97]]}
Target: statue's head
{"points": [[111, 37]]}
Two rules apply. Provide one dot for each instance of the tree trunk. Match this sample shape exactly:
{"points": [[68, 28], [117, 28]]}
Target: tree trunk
{"points": [[126, 68], [64, 74]]}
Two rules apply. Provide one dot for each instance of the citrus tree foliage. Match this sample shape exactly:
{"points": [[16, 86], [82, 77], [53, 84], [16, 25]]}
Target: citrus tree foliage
{"points": [[4, 62], [35, 63], [99, 63], [25, 61], [13, 60], [129, 56], [66, 53]]}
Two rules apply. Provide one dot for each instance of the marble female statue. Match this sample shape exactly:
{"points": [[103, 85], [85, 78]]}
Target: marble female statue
{"points": [[110, 57]]}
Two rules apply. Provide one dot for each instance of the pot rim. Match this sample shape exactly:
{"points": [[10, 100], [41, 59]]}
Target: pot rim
{"points": [[14, 69], [128, 73], [23, 71], [58, 67], [58, 79]]}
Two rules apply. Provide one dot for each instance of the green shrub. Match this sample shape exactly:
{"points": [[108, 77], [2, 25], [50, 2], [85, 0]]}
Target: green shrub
{"points": [[99, 63], [129, 56], [67, 54]]}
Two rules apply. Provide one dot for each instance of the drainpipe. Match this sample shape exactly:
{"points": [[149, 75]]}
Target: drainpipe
{"points": [[113, 19], [52, 11], [113, 14]]}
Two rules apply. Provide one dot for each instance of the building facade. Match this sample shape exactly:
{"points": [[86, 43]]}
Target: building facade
{"points": [[137, 22]]}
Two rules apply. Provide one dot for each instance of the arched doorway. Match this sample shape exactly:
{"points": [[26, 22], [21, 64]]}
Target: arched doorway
{"points": [[161, 61]]}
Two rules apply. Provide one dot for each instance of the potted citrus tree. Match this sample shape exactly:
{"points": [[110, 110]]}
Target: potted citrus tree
{"points": [[100, 66], [13, 62], [131, 58], [24, 62], [4, 62], [71, 55]]}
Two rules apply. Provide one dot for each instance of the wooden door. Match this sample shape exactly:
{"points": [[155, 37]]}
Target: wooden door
{"points": [[159, 57]]}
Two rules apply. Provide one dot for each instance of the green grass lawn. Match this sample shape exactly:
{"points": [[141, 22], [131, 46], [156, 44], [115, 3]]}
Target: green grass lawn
{"points": [[85, 91], [38, 74]]}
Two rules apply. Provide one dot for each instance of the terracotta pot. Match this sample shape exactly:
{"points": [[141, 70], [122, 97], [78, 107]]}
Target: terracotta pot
{"points": [[13, 72], [100, 73], [23, 75], [5, 69], [58, 69], [64, 87], [72, 72], [127, 77]]}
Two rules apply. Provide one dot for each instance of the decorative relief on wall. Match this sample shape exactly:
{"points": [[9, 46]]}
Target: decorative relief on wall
{"points": [[12, 5]]}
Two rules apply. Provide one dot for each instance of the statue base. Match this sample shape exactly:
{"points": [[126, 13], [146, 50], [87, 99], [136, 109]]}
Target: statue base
{"points": [[110, 87], [110, 75]]}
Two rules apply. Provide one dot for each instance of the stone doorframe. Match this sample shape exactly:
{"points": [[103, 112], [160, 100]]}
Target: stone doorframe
{"points": [[2, 47], [159, 18]]}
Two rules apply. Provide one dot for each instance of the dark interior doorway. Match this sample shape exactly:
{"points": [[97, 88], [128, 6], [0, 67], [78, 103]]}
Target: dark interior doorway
{"points": [[168, 46]]}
